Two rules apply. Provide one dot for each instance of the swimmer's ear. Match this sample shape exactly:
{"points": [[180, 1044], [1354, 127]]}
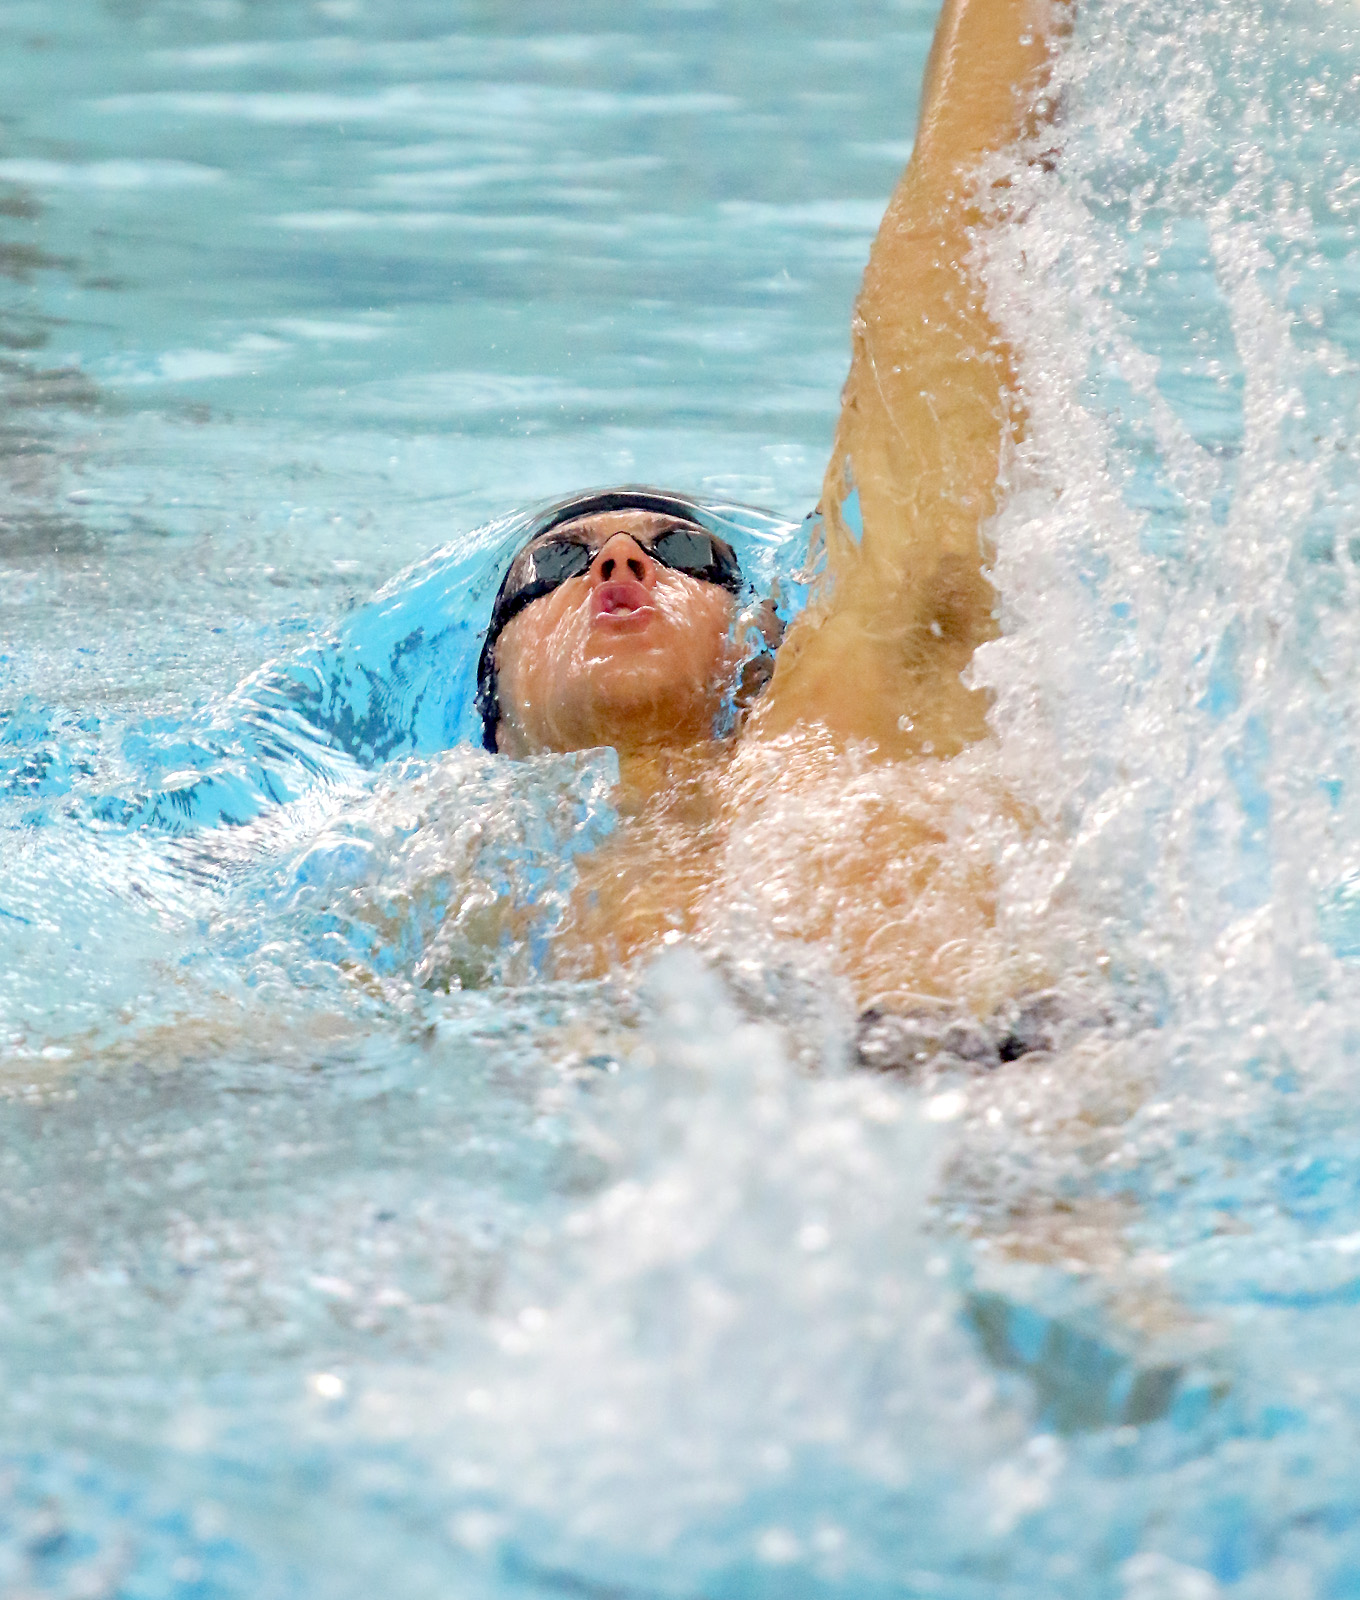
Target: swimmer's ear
{"points": [[762, 619], [751, 684]]}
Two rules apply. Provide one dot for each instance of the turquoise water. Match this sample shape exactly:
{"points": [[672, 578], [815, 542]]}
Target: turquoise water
{"points": [[343, 1253]]}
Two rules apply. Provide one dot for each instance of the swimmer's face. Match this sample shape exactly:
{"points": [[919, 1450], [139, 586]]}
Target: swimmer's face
{"points": [[629, 653]]}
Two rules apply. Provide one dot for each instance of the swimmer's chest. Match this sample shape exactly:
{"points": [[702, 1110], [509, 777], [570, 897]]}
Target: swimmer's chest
{"points": [[800, 842]]}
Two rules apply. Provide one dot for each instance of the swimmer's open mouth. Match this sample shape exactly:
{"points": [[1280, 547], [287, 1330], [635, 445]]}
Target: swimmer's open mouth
{"points": [[623, 606]]}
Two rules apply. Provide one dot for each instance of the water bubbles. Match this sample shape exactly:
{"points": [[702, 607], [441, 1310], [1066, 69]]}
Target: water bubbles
{"points": [[478, 1531], [1152, 1576], [1020, 1486], [778, 1547], [947, 1106], [814, 1236]]}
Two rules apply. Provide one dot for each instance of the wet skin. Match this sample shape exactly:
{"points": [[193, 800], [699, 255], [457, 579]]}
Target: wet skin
{"points": [[629, 654], [633, 655]]}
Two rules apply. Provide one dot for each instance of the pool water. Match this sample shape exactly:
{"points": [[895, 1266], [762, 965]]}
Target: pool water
{"points": [[345, 1253]]}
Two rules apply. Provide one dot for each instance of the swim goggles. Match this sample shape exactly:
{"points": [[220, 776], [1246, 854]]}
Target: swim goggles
{"points": [[549, 559], [553, 558]]}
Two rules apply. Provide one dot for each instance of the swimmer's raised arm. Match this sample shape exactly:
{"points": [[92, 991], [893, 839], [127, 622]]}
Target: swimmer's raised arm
{"points": [[926, 410]]}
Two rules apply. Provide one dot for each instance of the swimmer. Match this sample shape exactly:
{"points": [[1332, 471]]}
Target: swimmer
{"points": [[824, 811]]}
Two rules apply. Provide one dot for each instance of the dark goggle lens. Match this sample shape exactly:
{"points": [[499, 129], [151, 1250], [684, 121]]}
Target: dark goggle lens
{"points": [[554, 561], [699, 555]]}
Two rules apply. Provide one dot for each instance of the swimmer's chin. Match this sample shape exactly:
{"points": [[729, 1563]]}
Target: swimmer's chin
{"points": [[628, 696]]}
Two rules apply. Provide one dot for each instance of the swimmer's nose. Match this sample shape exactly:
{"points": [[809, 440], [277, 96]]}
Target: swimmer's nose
{"points": [[622, 559]]}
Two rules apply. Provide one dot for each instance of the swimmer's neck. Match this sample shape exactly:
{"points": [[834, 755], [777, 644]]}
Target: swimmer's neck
{"points": [[648, 771]]}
